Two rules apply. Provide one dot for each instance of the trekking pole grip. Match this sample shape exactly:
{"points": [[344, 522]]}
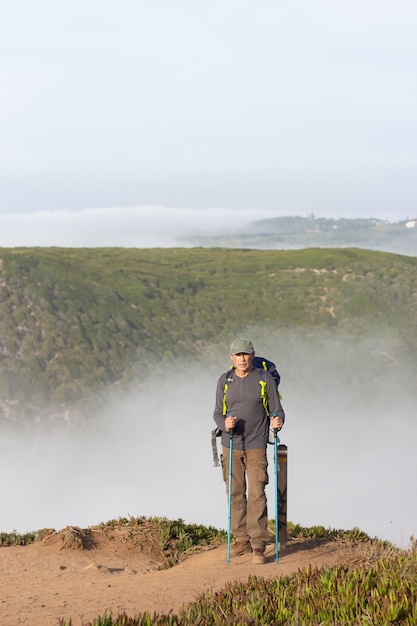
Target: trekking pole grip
{"points": [[275, 429], [230, 431]]}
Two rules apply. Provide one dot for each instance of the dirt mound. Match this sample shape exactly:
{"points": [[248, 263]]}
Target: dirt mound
{"points": [[81, 574], [111, 542]]}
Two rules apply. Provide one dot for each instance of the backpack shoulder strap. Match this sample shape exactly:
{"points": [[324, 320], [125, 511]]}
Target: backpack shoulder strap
{"points": [[264, 393], [228, 378]]}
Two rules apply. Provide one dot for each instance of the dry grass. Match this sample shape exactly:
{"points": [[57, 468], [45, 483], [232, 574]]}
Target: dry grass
{"points": [[74, 538], [367, 553]]}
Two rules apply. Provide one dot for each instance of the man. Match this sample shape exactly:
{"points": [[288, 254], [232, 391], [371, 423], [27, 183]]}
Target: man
{"points": [[240, 408]]}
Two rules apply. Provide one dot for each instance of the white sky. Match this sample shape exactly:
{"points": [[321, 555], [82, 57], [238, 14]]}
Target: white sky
{"points": [[286, 107]]}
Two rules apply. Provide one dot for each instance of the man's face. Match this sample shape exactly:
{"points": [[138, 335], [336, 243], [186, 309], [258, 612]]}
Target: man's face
{"points": [[242, 361]]}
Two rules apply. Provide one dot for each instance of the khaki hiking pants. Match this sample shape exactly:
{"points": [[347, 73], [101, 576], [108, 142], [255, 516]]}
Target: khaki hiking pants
{"points": [[249, 515]]}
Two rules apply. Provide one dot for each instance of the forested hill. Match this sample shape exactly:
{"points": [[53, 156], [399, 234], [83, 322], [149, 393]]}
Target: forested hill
{"points": [[76, 321], [295, 232]]}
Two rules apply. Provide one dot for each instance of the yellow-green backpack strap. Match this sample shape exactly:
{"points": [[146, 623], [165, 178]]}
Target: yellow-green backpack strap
{"points": [[225, 388], [264, 365], [264, 396], [228, 379]]}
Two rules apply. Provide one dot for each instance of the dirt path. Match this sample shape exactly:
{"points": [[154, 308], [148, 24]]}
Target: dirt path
{"points": [[42, 582]]}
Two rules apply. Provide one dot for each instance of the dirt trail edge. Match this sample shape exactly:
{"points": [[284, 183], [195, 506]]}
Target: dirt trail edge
{"points": [[41, 583]]}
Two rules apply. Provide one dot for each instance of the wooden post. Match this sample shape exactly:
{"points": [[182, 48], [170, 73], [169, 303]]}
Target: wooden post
{"points": [[282, 495]]}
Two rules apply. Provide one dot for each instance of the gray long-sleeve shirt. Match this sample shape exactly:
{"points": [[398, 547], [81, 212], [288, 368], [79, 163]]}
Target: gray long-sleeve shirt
{"points": [[244, 401]]}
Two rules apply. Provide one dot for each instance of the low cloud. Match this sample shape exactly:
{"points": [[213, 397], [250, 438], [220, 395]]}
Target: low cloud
{"points": [[145, 226], [350, 461]]}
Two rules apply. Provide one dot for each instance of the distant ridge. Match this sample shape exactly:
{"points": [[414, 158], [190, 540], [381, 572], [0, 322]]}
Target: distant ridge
{"points": [[295, 232]]}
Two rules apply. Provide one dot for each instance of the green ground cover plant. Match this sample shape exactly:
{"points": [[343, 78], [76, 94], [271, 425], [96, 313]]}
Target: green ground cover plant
{"points": [[17, 539]]}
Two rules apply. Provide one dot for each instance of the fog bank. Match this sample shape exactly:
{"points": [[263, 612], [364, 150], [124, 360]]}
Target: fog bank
{"points": [[351, 452], [144, 226]]}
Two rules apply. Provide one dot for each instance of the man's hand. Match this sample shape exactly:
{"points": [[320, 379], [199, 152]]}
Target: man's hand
{"points": [[230, 422], [276, 422]]}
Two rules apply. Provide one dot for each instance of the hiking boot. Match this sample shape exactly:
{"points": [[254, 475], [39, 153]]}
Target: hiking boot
{"points": [[259, 556], [240, 547]]}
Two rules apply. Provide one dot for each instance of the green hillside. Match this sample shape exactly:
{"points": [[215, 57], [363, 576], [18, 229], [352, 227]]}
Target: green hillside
{"points": [[74, 322]]}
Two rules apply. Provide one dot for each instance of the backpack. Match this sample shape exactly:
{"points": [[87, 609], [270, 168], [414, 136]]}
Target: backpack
{"points": [[260, 363], [269, 366]]}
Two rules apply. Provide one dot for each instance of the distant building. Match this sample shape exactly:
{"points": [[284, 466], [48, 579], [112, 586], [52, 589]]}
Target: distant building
{"points": [[411, 224]]}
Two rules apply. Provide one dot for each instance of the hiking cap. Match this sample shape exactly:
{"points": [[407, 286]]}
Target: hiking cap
{"points": [[241, 345]]}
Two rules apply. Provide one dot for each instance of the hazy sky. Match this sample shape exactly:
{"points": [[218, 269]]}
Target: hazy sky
{"points": [[288, 107]]}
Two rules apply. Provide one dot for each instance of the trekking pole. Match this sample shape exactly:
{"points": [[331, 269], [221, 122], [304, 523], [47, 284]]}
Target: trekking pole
{"points": [[229, 507], [276, 441]]}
